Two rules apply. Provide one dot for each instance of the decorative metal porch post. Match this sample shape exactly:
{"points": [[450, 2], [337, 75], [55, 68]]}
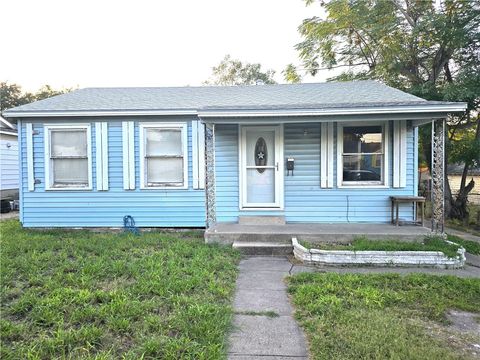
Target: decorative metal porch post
{"points": [[210, 174], [438, 175]]}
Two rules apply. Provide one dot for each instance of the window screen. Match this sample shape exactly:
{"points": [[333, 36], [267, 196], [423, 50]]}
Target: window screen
{"points": [[69, 157], [164, 158]]}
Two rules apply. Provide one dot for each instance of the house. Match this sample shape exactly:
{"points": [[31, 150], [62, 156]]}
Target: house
{"points": [[454, 175], [201, 156], [8, 163]]}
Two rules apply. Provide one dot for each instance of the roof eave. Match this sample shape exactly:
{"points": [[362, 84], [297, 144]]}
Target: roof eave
{"points": [[94, 113], [226, 113], [12, 133], [433, 109]]}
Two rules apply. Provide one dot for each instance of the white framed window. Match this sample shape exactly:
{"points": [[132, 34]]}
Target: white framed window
{"points": [[68, 159], [362, 155], [163, 155]]}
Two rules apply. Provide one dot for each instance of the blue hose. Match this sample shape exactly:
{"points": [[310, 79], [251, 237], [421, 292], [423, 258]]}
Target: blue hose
{"points": [[129, 225]]}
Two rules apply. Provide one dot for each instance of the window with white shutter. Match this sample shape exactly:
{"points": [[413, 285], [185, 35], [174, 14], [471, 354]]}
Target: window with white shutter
{"points": [[68, 158], [164, 156]]}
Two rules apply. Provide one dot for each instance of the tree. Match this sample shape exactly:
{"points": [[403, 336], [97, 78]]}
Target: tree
{"points": [[11, 95], [234, 72], [426, 48]]}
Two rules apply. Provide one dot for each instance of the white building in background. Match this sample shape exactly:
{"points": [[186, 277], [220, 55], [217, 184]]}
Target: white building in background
{"points": [[8, 163]]}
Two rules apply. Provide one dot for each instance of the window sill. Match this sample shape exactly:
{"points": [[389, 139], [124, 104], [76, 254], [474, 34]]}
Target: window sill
{"points": [[364, 186], [164, 187], [69, 188]]}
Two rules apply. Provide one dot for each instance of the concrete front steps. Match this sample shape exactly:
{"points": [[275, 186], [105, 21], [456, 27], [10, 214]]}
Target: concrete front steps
{"points": [[263, 248], [270, 235], [260, 244]]}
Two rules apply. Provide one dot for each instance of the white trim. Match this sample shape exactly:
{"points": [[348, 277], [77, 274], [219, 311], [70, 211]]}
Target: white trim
{"points": [[326, 155], [101, 155], [105, 157], [8, 124], [201, 155], [338, 111], [400, 154], [30, 168], [385, 171], [198, 154], [48, 169], [20, 170], [195, 163], [183, 126], [81, 113], [131, 153], [6, 132], [279, 186], [446, 108], [128, 151]]}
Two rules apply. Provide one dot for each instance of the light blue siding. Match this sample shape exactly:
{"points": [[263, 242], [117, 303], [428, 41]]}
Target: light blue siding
{"points": [[92, 208], [305, 201]]}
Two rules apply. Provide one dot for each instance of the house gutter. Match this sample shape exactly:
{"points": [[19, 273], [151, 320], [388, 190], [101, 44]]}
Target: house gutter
{"points": [[449, 108], [33, 114], [236, 113], [6, 132]]}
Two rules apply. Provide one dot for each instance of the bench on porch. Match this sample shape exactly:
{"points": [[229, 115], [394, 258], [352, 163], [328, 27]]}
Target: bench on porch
{"points": [[396, 200]]}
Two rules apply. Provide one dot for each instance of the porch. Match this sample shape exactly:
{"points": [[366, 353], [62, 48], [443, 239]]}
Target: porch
{"points": [[314, 206], [276, 238]]}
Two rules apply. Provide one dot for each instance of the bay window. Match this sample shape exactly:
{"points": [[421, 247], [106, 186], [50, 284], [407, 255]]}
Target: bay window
{"points": [[164, 155], [67, 157]]}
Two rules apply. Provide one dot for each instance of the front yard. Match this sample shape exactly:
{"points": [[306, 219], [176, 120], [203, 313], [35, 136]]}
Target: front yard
{"points": [[387, 316], [77, 294]]}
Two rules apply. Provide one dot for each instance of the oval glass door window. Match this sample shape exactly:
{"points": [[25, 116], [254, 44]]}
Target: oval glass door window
{"points": [[261, 154]]}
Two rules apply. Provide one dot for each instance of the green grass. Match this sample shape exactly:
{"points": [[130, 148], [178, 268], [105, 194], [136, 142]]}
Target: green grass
{"points": [[77, 294], [472, 247], [381, 316], [429, 244]]}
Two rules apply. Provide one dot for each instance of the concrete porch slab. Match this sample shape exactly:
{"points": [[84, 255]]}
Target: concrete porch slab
{"points": [[228, 233]]}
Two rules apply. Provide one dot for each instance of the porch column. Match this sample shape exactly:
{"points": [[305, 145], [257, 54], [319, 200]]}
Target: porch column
{"points": [[438, 175], [210, 174]]}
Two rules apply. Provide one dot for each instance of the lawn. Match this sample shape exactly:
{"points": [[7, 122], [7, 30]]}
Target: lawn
{"points": [[383, 316], [78, 294], [470, 246]]}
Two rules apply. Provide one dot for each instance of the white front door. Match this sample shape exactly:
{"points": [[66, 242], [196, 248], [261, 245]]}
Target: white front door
{"points": [[261, 167]]}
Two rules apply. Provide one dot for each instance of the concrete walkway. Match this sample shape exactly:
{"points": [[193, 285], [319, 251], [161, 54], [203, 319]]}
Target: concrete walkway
{"points": [[261, 289], [264, 327], [462, 234]]}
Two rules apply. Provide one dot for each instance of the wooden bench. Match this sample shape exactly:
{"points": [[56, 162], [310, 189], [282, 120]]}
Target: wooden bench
{"points": [[407, 199]]}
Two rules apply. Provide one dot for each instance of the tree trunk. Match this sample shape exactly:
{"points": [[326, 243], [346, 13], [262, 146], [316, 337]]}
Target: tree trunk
{"points": [[459, 208]]}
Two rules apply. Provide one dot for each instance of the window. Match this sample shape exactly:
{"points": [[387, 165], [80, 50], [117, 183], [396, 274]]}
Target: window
{"points": [[68, 160], [362, 156], [164, 155]]}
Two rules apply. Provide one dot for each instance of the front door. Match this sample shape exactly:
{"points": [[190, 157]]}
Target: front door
{"points": [[261, 167]]}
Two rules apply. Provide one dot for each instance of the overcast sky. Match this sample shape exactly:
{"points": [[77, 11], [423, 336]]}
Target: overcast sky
{"points": [[143, 43]]}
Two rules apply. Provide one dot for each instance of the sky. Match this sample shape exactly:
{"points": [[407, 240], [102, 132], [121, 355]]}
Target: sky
{"points": [[95, 43]]}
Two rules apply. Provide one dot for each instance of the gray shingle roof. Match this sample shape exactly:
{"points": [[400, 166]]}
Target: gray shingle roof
{"points": [[284, 97], [194, 98]]}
